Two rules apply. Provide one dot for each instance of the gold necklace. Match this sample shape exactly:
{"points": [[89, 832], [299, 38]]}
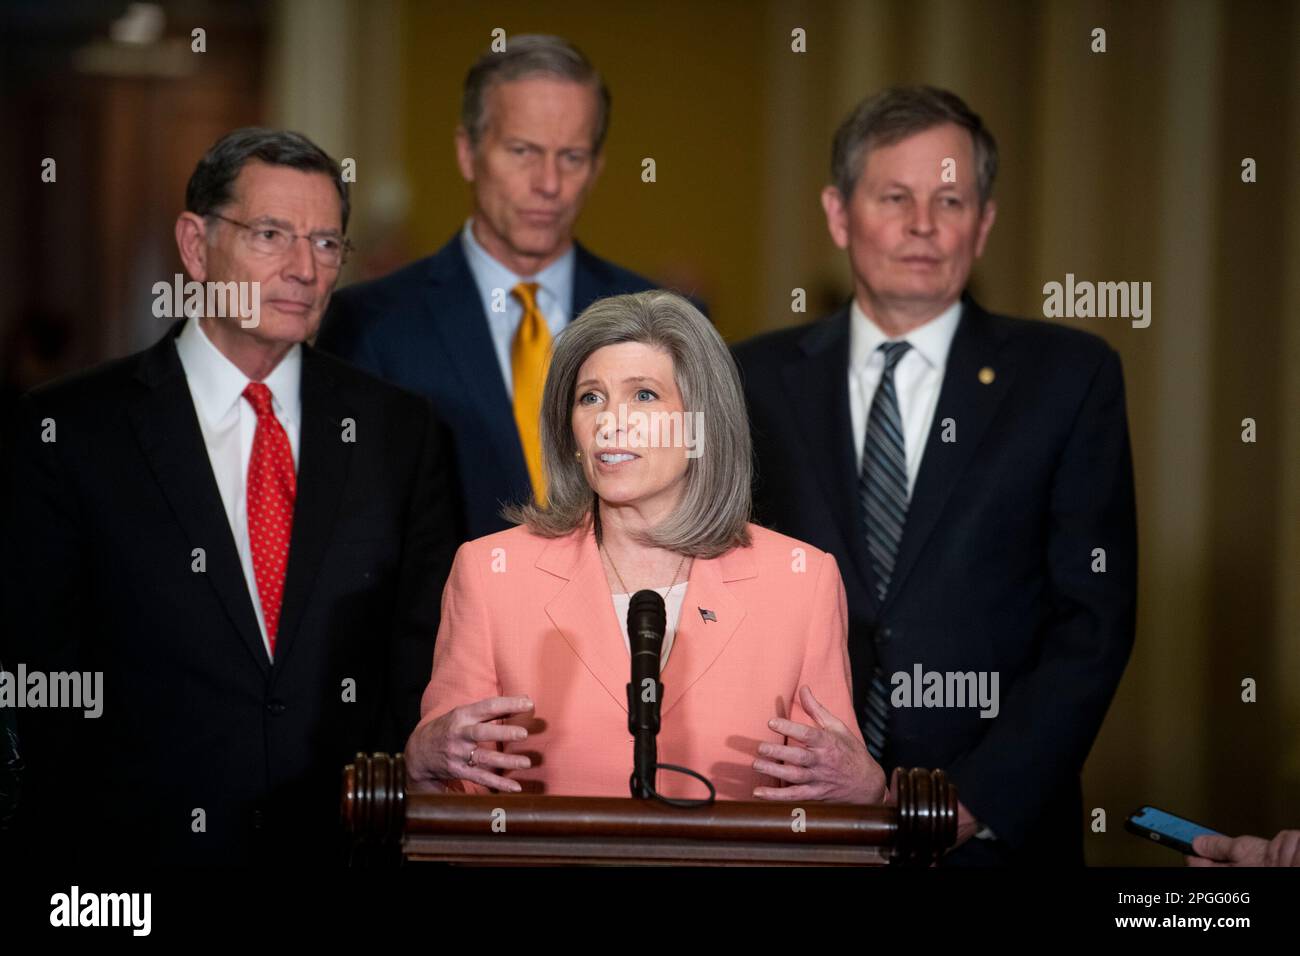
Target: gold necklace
{"points": [[623, 584]]}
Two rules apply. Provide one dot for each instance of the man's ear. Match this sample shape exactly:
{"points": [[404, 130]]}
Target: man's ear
{"points": [[987, 216], [598, 166], [192, 243], [837, 216], [464, 154]]}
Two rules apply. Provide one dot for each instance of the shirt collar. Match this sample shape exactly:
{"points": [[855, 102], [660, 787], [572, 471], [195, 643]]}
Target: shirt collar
{"points": [[217, 384], [931, 341], [555, 282]]}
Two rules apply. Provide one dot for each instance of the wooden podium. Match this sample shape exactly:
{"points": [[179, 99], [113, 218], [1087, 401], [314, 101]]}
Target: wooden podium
{"points": [[520, 829]]}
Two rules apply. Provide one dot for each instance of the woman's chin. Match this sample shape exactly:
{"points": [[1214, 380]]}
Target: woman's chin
{"points": [[618, 496], [619, 492]]}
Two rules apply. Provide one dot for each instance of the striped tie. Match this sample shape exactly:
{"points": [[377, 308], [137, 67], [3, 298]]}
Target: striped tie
{"points": [[882, 486]]}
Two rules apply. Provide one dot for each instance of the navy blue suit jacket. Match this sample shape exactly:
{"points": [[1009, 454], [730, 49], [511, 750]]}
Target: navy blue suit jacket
{"points": [[423, 328], [995, 568]]}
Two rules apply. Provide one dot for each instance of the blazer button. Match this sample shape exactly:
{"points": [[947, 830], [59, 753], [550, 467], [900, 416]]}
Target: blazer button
{"points": [[276, 707], [884, 635], [258, 820]]}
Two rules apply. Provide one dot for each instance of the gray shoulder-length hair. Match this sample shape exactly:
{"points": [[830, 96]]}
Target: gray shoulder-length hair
{"points": [[713, 514]]}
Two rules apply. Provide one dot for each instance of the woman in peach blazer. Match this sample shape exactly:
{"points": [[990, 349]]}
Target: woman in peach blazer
{"points": [[528, 690]]}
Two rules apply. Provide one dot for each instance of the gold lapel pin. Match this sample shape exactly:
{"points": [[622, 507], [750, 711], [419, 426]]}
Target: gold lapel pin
{"points": [[987, 376]]}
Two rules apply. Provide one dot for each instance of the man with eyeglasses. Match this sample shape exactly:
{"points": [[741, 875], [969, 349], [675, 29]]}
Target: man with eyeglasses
{"points": [[246, 537]]}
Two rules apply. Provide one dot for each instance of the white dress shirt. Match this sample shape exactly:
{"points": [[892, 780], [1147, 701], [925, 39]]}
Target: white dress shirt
{"points": [[918, 377], [228, 423], [554, 296], [673, 597]]}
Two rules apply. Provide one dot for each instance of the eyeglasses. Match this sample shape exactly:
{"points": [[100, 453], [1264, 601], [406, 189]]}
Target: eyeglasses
{"points": [[328, 249]]}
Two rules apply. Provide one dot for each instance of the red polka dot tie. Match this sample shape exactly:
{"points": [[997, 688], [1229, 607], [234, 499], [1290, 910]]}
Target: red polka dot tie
{"points": [[272, 486]]}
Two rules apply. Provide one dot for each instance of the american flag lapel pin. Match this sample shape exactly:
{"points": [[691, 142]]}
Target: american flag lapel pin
{"points": [[708, 615]]}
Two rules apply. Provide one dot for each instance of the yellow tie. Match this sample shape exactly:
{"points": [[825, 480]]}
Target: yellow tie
{"points": [[529, 354]]}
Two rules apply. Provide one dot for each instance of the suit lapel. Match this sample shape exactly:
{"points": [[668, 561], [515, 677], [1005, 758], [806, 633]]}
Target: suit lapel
{"points": [[168, 431], [971, 404], [817, 383], [587, 284], [323, 459], [698, 642], [456, 313], [583, 611]]}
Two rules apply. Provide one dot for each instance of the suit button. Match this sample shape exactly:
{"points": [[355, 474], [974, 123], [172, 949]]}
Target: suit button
{"points": [[276, 707], [884, 635], [258, 820]]}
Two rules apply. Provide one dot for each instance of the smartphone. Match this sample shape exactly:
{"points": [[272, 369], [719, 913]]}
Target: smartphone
{"points": [[1165, 828]]}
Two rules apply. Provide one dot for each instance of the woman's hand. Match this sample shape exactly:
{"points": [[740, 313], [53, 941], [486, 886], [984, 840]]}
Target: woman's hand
{"points": [[450, 747], [827, 762]]}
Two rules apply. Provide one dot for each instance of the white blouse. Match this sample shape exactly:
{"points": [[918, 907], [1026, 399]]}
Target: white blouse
{"points": [[672, 604]]}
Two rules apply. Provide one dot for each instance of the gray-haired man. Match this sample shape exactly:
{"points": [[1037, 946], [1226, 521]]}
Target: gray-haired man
{"points": [[964, 468], [247, 540], [469, 326]]}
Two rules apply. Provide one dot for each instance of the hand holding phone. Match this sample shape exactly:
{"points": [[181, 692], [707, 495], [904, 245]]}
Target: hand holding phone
{"points": [[1165, 828]]}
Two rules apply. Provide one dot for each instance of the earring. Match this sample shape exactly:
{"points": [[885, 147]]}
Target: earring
{"points": [[578, 455]]}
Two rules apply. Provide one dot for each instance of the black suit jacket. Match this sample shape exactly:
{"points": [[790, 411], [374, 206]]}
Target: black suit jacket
{"points": [[423, 328], [994, 570], [100, 573]]}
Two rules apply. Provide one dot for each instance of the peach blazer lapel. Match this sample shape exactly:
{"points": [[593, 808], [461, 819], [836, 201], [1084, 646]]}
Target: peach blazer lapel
{"points": [[699, 641], [583, 611]]}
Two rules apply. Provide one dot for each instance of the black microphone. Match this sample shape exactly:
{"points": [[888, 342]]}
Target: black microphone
{"points": [[647, 619]]}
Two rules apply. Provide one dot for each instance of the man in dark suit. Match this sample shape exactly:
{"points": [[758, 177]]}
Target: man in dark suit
{"points": [[970, 472], [246, 538], [469, 327]]}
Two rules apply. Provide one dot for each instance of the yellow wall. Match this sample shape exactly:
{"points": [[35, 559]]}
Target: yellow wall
{"points": [[684, 81]]}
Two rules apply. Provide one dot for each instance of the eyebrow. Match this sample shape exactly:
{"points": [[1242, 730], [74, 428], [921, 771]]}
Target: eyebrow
{"points": [[895, 184], [288, 227], [271, 221], [627, 381], [520, 141]]}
